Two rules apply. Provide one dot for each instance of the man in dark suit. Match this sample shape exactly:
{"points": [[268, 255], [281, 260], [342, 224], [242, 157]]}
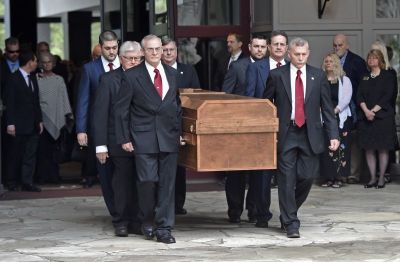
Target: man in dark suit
{"points": [[8, 65], [124, 176], [235, 186], [355, 68], [224, 59], [148, 115], [301, 94], [257, 73], [24, 123], [88, 85], [186, 78]]}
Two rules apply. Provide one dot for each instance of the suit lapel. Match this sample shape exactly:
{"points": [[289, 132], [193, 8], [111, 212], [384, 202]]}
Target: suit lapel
{"points": [[264, 66], [147, 84], [310, 83], [171, 82], [285, 77]]}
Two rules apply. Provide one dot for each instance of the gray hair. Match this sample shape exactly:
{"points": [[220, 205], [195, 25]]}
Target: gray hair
{"points": [[147, 38], [48, 55], [129, 46], [298, 41]]}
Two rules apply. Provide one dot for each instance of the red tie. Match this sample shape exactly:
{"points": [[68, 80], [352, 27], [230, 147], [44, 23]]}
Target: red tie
{"points": [[299, 118], [110, 65], [158, 82], [278, 64]]}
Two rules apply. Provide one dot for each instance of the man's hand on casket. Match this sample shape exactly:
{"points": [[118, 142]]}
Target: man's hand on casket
{"points": [[182, 141], [128, 147]]}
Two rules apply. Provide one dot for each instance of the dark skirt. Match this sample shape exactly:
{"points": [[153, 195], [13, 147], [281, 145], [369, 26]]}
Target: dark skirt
{"points": [[379, 134]]}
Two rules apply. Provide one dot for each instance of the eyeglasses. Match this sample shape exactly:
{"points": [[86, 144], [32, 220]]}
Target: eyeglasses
{"points": [[133, 58], [152, 50], [12, 51], [169, 50]]}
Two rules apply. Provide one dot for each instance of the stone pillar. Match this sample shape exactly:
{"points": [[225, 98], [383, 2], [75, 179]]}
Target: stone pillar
{"points": [[23, 22], [79, 31]]}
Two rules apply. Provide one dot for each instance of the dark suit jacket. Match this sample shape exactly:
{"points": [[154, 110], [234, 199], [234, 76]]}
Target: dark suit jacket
{"points": [[187, 76], [88, 85], [152, 124], [235, 78], [355, 68], [221, 69], [23, 107], [317, 101], [257, 74], [103, 121], [5, 74]]}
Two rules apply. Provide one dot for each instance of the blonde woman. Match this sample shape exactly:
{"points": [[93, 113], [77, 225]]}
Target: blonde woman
{"points": [[376, 129], [336, 165]]}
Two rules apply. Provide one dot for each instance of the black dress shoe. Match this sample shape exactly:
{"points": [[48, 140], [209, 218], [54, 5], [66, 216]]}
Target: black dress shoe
{"points": [[148, 233], [121, 231], [12, 188], [293, 233], [88, 182], [166, 238], [134, 229], [263, 224], [252, 220], [180, 211], [371, 185], [30, 188], [378, 186], [234, 220]]}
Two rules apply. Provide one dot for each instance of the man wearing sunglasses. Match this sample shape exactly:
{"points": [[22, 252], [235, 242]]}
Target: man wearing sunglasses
{"points": [[10, 64]]}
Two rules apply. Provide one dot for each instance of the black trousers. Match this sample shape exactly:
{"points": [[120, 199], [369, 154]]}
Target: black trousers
{"points": [[235, 187], [22, 159], [125, 193], [180, 187], [156, 189], [297, 167], [47, 168], [105, 174]]}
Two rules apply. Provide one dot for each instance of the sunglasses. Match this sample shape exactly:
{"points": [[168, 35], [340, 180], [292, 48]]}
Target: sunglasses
{"points": [[12, 51]]}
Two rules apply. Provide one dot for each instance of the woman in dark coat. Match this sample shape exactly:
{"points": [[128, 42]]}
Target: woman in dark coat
{"points": [[377, 130]]}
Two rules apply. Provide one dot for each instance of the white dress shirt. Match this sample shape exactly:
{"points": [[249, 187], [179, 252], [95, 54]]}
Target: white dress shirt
{"points": [[272, 63], [165, 85]]}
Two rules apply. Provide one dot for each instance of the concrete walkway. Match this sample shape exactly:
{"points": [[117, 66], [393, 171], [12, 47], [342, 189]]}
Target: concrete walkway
{"points": [[347, 224]]}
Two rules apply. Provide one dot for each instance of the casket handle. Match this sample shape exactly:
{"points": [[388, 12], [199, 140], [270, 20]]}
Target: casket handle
{"points": [[191, 128]]}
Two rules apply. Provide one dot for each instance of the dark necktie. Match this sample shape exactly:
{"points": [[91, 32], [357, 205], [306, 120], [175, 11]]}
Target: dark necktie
{"points": [[30, 83], [111, 66], [278, 64], [299, 117], [158, 82]]}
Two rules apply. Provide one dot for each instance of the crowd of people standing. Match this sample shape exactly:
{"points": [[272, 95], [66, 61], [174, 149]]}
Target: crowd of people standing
{"points": [[126, 113]]}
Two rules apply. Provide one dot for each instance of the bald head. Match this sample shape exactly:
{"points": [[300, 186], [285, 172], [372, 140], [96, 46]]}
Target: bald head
{"points": [[340, 44]]}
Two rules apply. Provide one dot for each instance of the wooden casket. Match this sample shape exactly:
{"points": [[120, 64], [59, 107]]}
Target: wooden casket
{"points": [[226, 132]]}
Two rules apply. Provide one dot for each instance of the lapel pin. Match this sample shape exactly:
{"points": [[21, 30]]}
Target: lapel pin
{"points": [[312, 78], [181, 73]]}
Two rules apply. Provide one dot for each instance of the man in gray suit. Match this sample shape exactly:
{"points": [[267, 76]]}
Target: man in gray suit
{"points": [[148, 123], [301, 94], [235, 83]]}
